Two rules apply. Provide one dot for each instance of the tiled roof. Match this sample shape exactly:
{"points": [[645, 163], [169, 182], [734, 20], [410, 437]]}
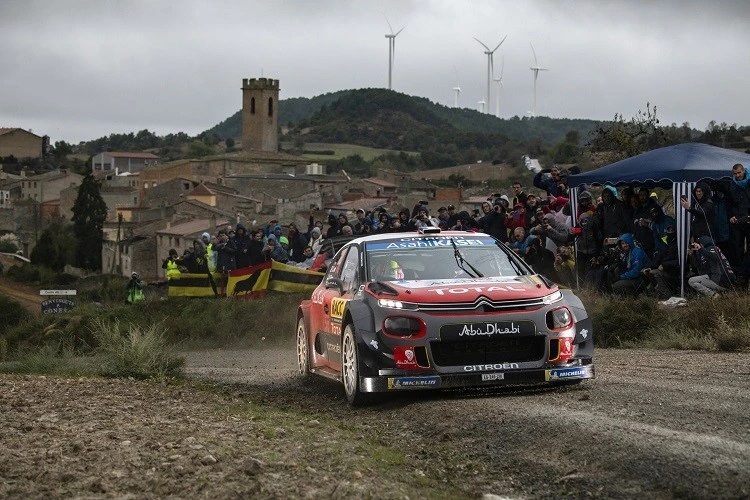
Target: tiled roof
{"points": [[8, 130], [380, 182], [193, 227], [123, 154]]}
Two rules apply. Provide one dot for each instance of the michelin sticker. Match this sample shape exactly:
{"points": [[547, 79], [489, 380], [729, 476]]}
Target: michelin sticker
{"points": [[568, 373], [413, 382]]}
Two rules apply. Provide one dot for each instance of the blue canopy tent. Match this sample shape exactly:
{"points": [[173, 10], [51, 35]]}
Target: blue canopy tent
{"points": [[680, 166]]}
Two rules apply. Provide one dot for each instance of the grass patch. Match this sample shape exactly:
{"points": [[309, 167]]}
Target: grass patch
{"points": [[135, 351]]}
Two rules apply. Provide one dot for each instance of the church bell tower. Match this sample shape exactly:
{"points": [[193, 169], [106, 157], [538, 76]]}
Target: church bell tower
{"points": [[260, 114]]}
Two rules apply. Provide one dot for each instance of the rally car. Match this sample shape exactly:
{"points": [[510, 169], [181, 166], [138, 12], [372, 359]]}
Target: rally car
{"points": [[436, 310]]}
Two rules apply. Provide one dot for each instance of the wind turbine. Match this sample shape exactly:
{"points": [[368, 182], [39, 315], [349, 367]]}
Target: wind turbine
{"points": [[490, 68], [391, 51], [481, 105], [535, 69], [456, 89], [499, 81]]}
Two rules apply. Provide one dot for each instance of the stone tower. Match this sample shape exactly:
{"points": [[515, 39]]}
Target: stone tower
{"points": [[260, 114]]}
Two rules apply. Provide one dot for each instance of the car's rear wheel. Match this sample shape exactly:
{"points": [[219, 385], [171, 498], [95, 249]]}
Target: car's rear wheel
{"points": [[350, 369], [303, 353]]}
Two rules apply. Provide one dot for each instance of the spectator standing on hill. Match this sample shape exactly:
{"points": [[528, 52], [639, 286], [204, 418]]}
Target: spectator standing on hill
{"points": [[701, 212], [362, 219], [135, 289], [208, 243], [493, 220], [171, 265], [333, 226], [227, 253], [255, 248], [611, 214], [715, 275], [739, 219], [242, 245], [588, 243], [519, 196], [297, 243], [548, 179]]}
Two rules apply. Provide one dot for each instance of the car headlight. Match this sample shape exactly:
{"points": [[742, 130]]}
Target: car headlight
{"points": [[553, 297], [395, 304]]}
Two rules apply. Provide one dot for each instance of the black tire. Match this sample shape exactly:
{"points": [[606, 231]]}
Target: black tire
{"points": [[303, 350], [350, 369]]}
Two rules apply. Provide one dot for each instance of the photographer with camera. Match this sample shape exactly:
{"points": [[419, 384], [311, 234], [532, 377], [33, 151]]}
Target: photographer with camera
{"points": [[493, 220]]}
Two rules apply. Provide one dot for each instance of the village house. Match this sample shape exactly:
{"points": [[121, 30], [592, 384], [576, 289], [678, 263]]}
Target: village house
{"points": [[121, 161], [21, 144]]}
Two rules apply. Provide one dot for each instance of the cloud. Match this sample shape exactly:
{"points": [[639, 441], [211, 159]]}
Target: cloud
{"points": [[82, 69]]}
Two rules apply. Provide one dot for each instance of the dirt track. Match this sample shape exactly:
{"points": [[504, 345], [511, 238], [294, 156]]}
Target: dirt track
{"points": [[27, 296], [653, 424]]}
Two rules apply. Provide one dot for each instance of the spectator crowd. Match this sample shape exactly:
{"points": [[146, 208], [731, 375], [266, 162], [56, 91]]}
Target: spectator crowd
{"points": [[624, 241]]}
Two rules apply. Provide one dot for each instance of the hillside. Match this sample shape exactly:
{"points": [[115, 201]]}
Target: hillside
{"points": [[363, 103]]}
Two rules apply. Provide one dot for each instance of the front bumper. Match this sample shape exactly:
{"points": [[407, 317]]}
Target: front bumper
{"points": [[399, 381]]}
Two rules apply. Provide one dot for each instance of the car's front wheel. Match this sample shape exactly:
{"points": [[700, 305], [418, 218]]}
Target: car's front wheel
{"points": [[303, 354], [350, 369]]}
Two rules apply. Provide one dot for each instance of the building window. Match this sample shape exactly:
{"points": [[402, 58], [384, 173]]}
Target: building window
{"points": [[34, 184], [270, 106], [252, 105], [135, 201]]}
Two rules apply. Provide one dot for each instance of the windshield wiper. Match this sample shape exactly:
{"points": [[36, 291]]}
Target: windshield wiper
{"points": [[460, 262]]}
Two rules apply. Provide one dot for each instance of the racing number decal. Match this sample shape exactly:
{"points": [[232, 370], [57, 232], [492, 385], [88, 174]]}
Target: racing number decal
{"points": [[337, 308]]}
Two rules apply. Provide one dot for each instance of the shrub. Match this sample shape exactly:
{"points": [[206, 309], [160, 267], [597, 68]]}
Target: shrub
{"points": [[12, 313], [139, 352]]}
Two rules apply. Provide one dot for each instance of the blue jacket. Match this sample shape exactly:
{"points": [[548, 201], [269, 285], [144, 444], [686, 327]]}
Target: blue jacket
{"points": [[635, 260]]}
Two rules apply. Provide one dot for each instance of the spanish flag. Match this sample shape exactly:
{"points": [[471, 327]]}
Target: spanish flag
{"points": [[249, 282]]}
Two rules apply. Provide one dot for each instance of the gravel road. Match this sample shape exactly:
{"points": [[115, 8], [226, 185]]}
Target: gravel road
{"points": [[658, 424], [653, 424]]}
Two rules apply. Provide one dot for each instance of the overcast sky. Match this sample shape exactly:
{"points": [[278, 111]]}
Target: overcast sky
{"points": [[81, 69]]}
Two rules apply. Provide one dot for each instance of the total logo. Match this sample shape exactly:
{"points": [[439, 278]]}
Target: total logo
{"points": [[478, 289]]}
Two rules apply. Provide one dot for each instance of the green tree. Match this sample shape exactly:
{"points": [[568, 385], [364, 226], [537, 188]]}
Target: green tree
{"points": [[199, 149], [55, 248], [89, 214]]}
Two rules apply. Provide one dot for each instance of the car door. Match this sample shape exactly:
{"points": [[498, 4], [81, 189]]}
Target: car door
{"points": [[336, 300]]}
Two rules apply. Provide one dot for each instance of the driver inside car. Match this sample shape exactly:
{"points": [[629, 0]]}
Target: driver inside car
{"points": [[390, 270]]}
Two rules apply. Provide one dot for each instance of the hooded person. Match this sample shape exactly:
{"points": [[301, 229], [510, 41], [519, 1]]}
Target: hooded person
{"points": [[715, 275], [297, 243], [613, 220], [588, 243], [552, 229], [333, 226], [274, 251], [316, 239], [633, 259], [701, 210], [242, 242], [465, 222]]}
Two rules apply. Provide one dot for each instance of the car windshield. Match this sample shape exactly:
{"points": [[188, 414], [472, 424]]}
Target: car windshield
{"points": [[422, 257]]}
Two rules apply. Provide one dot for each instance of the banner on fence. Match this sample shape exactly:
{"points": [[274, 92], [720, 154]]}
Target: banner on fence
{"points": [[248, 282], [195, 285]]}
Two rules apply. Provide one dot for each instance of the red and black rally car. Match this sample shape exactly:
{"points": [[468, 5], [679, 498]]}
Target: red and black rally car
{"points": [[403, 311]]}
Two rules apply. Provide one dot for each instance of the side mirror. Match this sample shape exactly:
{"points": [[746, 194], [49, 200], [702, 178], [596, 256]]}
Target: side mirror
{"points": [[335, 283]]}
